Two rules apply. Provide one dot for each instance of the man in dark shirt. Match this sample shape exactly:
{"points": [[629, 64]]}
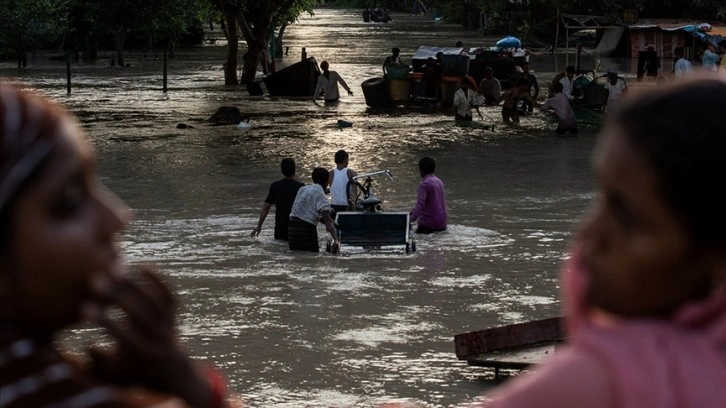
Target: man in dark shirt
{"points": [[282, 194]]}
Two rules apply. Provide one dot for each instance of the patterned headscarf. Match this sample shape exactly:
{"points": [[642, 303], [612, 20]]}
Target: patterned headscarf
{"points": [[28, 126]]}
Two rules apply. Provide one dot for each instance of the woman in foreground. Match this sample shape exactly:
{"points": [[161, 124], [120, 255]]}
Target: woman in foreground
{"points": [[645, 290], [60, 265]]}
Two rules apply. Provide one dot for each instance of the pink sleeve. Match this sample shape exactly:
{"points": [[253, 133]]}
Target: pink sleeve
{"points": [[570, 379]]}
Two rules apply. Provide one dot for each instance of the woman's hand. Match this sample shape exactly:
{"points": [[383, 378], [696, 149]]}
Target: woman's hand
{"points": [[139, 311]]}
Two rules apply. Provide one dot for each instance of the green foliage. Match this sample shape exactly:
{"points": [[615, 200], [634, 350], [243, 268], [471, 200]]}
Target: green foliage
{"points": [[27, 25]]}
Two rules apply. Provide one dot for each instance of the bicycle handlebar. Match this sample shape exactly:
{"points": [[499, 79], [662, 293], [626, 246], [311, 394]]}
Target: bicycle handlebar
{"points": [[375, 173]]}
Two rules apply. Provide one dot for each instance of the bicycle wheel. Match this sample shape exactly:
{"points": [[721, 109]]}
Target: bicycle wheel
{"points": [[356, 194]]}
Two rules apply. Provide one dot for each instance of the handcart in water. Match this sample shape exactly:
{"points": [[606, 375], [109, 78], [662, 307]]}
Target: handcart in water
{"points": [[366, 224]]}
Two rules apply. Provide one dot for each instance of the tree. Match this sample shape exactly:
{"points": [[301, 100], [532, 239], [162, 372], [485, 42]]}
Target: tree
{"points": [[27, 25], [256, 20], [159, 20]]}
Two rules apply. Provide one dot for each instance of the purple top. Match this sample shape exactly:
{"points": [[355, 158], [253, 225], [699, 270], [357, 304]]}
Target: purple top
{"points": [[430, 209]]}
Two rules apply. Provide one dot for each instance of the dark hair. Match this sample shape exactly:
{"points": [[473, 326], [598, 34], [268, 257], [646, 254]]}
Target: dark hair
{"points": [[558, 87], [324, 65], [320, 176], [459, 44], [570, 69], [288, 167], [679, 131], [395, 50], [488, 70], [678, 51], [427, 165], [341, 156]]}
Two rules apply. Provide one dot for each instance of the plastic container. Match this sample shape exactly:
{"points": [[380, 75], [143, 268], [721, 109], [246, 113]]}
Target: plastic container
{"points": [[448, 89], [397, 71], [455, 65], [375, 91], [399, 90]]}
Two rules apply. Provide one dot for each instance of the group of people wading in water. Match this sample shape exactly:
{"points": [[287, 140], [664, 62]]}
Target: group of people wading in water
{"points": [[644, 290]]}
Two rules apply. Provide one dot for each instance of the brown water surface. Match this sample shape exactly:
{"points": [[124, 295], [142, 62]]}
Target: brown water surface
{"points": [[367, 326]]}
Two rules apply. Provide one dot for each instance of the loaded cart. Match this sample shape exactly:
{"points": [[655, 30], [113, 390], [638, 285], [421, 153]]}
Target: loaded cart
{"points": [[373, 229]]}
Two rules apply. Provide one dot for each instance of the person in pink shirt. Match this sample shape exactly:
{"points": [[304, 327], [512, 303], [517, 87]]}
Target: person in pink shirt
{"points": [[430, 210], [644, 292]]}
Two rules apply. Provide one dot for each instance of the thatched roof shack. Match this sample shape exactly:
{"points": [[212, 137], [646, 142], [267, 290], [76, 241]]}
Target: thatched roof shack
{"points": [[667, 34]]}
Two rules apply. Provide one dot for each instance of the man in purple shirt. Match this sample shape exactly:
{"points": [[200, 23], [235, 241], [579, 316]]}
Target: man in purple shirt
{"points": [[430, 209]]}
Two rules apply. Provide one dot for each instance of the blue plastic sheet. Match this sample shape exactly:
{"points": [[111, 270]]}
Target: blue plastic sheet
{"points": [[509, 42]]}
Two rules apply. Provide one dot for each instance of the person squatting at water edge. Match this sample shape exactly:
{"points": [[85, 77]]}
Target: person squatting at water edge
{"points": [[310, 207], [281, 194], [644, 292], [60, 264], [328, 84], [338, 180]]}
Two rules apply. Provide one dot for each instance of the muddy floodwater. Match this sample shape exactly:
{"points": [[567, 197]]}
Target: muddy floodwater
{"points": [[315, 330]]}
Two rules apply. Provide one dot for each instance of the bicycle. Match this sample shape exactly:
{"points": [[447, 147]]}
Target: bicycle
{"points": [[360, 197]]}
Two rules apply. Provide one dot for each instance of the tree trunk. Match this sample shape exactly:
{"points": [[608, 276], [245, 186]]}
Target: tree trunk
{"points": [[278, 41], [250, 62], [230, 67], [120, 39], [257, 42]]}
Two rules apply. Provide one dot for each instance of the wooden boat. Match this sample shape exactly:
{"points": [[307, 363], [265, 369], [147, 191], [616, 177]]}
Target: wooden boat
{"points": [[298, 79], [515, 346]]}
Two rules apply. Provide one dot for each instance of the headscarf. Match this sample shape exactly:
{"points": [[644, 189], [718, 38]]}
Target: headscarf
{"points": [[27, 128]]}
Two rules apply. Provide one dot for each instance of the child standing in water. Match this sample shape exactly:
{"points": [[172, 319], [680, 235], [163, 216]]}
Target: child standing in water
{"points": [[519, 90], [60, 264]]}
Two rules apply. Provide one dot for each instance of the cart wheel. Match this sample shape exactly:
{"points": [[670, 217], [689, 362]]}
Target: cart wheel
{"points": [[413, 246]]}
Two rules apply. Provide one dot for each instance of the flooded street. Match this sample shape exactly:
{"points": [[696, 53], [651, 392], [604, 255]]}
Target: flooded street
{"points": [[316, 330]]}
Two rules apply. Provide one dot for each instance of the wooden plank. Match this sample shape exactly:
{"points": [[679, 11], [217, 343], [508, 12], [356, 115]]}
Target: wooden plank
{"points": [[515, 359], [507, 337]]}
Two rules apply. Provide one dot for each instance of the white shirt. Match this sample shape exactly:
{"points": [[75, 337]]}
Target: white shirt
{"points": [[567, 87], [330, 86], [338, 195], [615, 92], [561, 106], [463, 102], [310, 203], [682, 67]]}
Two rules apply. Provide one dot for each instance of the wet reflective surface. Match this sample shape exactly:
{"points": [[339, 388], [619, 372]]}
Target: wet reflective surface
{"points": [[367, 326]]}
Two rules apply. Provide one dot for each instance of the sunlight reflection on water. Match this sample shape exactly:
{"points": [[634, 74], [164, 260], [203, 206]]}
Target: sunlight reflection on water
{"points": [[314, 330]]}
